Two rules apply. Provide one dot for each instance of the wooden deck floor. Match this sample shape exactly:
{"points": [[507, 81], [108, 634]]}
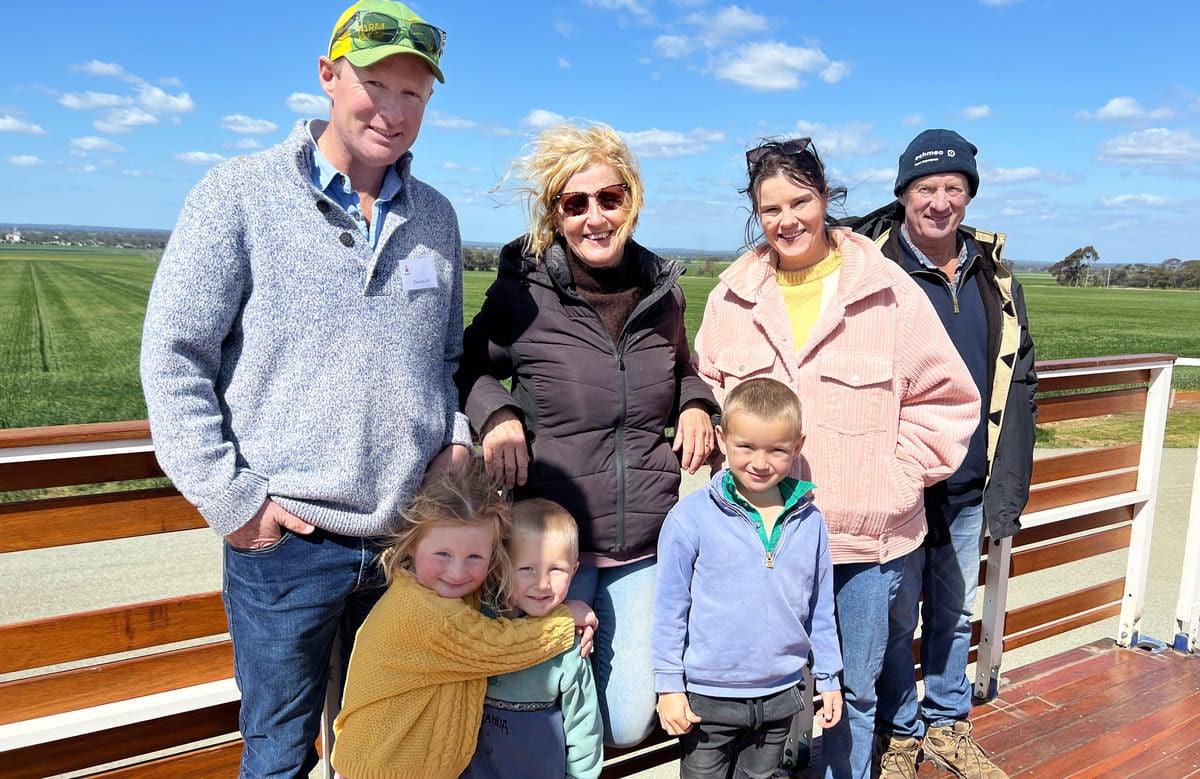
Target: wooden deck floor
{"points": [[1093, 711]]}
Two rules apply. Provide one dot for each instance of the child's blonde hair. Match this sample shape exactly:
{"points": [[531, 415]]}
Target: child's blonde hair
{"points": [[544, 519], [465, 498], [765, 399]]}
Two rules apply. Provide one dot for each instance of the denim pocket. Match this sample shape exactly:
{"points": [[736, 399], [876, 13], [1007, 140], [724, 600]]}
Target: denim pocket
{"points": [[284, 535]]}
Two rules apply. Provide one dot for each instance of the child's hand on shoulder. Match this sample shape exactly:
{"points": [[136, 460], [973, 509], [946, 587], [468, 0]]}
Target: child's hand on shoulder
{"points": [[674, 713], [831, 708], [585, 624]]}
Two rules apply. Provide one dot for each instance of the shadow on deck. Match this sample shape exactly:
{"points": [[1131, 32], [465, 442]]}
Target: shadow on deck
{"points": [[1093, 711]]}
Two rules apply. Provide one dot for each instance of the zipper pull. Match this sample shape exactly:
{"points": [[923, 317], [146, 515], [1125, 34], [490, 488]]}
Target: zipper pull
{"points": [[770, 560]]}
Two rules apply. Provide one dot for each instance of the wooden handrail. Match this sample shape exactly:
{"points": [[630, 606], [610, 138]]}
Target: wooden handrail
{"points": [[74, 434]]}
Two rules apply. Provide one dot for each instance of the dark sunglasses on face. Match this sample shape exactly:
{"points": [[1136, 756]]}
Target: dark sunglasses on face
{"points": [[367, 30], [610, 198], [791, 146]]}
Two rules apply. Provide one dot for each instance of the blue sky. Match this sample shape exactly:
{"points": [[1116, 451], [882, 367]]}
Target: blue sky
{"points": [[1086, 114]]}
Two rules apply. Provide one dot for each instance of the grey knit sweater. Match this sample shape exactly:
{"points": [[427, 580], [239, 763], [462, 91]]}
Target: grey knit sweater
{"points": [[283, 356]]}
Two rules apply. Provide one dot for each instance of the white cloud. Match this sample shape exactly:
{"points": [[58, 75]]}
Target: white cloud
{"points": [[85, 101], [137, 174], [122, 120], [634, 7], [846, 140], [770, 66], [655, 143], [835, 72], [540, 119], [245, 125], [726, 24], [673, 46], [564, 63], [1124, 109], [1178, 151], [27, 161], [1013, 175], [245, 143], [309, 105], [170, 81], [438, 119], [11, 124], [87, 169], [98, 68], [81, 147], [1153, 201], [198, 158], [564, 29], [159, 102], [973, 112], [912, 120]]}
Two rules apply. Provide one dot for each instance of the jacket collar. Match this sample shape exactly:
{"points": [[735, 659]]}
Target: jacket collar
{"points": [[553, 269]]}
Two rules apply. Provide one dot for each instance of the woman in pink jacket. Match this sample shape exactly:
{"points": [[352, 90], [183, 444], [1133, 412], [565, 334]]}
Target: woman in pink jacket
{"points": [[888, 404]]}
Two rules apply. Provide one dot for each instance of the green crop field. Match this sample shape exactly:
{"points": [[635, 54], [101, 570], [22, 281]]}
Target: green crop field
{"points": [[71, 319], [70, 326]]}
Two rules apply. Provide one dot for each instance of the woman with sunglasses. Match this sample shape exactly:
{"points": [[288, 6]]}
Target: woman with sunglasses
{"points": [[589, 327], [889, 406]]}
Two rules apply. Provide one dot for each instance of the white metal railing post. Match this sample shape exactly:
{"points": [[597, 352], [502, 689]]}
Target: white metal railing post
{"points": [[1158, 400], [995, 604], [1187, 611]]}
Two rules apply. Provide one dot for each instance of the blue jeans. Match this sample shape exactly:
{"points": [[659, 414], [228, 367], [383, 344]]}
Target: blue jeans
{"points": [[864, 594], [949, 576], [623, 599], [285, 604]]}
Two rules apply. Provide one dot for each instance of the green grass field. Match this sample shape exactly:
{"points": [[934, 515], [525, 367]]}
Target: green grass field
{"points": [[71, 319]]}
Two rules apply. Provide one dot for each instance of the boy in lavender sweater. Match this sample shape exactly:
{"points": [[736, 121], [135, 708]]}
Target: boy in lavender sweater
{"points": [[745, 593]]}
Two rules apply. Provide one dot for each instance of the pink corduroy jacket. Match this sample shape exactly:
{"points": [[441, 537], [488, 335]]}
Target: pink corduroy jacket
{"points": [[888, 404]]}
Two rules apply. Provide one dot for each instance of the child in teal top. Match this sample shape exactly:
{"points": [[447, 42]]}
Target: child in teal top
{"points": [[544, 721]]}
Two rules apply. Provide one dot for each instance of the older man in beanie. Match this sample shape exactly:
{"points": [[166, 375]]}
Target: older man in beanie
{"points": [[982, 307], [298, 358]]}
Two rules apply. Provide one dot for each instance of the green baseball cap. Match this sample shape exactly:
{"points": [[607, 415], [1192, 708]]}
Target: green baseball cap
{"points": [[371, 30]]}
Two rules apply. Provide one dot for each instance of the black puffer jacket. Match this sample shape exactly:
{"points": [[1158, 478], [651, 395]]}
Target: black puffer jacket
{"points": [[595, 412]]}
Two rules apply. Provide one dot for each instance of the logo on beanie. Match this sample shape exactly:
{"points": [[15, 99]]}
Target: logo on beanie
{"points": [[949, 152], [929, 156]]}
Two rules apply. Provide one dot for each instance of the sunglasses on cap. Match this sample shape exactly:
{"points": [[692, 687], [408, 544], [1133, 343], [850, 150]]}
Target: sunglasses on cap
{"points": [[610, 198], [792, 146], [368, 29]]}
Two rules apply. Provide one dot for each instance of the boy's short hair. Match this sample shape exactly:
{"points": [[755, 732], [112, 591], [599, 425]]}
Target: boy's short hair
{"points": [[544, 518], [765, 399]]}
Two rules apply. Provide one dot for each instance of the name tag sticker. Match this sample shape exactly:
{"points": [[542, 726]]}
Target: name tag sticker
{"points": [[418, 273]]}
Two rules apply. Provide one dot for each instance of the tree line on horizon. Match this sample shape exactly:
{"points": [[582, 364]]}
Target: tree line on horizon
{"points": [[1080, 269]]}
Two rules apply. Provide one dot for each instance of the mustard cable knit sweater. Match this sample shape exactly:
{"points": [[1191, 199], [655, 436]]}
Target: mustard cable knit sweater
{"points": [[417, 678]]}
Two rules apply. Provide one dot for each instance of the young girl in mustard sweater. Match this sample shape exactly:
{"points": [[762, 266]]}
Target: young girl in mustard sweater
{"points": [[418, 672]]}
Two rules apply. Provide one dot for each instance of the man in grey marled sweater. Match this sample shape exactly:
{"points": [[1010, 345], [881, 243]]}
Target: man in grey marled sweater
{"points": [[298, 357]]}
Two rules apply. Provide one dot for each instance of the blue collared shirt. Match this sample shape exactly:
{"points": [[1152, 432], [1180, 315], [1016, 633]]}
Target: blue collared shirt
{"points": [[336, 185]]}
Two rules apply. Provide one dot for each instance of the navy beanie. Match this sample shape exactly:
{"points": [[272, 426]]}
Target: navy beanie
{"points": [[938, 151]]}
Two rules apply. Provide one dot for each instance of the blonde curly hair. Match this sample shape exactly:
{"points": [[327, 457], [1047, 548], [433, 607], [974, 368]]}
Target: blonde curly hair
{"points": [[554, 157], [455, 498]]}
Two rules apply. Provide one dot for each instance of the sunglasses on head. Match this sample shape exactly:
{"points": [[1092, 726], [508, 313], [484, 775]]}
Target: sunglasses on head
{"points": [[369, 29], [791, 146], [610, 198]]}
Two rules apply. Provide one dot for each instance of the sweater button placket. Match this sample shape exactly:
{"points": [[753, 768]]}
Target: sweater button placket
{"points": [[347, 239]]}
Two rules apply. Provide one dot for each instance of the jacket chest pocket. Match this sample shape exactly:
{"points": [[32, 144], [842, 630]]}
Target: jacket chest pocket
{"points": [[856, 393], [739, 363]]}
